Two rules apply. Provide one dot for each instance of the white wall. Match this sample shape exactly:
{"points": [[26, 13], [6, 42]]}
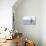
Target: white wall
{"points": [[29, 8], [43, 22], [6, 13]]}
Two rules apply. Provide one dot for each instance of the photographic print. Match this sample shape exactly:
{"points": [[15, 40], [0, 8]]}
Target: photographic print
{"points": [[29, 20]]}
